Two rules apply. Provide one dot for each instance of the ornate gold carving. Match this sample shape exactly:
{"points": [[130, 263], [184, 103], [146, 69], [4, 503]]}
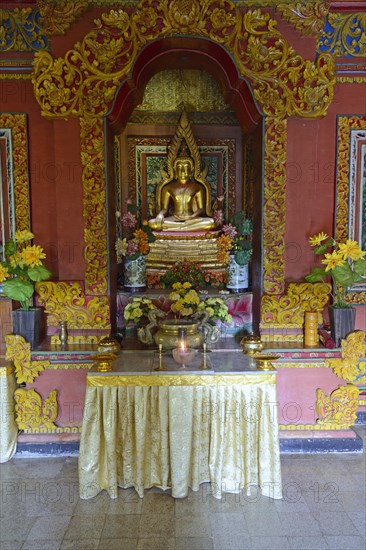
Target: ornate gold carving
{"points": [[68, 366], [94, 185], [349, 366], [196, 90], [339, 408], [275, 143], [301, 364], [345, 125], [84, 82], [97, 381], [307, 17], [288, 310], [280, 335], [356, 297], [347, 36], [67, 302], [327, 426], [17, 124], [22, 32], [15, 76], [76, 339], [351, 79], [31, 413], [18, 351], [57, 17]]}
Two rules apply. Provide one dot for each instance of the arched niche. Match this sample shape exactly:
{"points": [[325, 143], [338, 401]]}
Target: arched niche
{"points": [[202, 54]]}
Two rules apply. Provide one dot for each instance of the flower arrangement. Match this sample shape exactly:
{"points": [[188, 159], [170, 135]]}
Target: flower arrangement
{"points": [[343, 262], [22, 268], [236, 238], [184, 301], [187, 271], [137, 236], [217, 309], [138, 309]]}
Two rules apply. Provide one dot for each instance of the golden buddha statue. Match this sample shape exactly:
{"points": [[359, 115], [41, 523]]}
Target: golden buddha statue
{"points": [[188, 198], [183, 188]]}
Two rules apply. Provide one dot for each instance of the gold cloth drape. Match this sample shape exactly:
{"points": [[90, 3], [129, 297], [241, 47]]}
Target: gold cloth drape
{"points": [[8, 427], [178, 436]]}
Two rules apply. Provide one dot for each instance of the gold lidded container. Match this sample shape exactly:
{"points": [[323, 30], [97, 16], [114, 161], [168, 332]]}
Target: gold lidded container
{"points": [[251, 343], [169, 331], [107, 344]]}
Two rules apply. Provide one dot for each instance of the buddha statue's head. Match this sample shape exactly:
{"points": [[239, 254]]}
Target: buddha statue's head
{"points": [[183, 168]]}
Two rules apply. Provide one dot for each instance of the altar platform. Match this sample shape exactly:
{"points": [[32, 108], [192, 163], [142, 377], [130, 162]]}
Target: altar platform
{"points": [[180, 427]]}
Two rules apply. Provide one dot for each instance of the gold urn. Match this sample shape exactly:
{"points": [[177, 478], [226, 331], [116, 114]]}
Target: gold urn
{"points": [[251, 344], [170, 329], [107, 344]]}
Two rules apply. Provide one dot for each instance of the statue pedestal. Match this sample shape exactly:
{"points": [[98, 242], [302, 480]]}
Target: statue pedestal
{"points": [[170, 247]]}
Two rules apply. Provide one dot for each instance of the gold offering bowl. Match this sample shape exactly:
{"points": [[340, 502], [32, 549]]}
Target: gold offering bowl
{"points": [[169, 330], [184, 356], [265, 360], [104, 361], [251, 344]]}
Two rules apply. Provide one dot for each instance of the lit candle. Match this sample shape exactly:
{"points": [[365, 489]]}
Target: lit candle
{"points": [[182, 339]]}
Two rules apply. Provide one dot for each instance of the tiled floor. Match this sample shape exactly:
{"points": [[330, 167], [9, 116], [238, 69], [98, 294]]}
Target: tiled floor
{"points": [[323, 507]]}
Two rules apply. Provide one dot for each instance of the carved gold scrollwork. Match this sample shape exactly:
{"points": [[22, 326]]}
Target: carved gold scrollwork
{"points": [[346, 36], [17, 124], [20, 30], [288, 309], [67, 302], [31, 413], [18, 351], [339, 408], [57, 17], [307, 17], [349, 366]]}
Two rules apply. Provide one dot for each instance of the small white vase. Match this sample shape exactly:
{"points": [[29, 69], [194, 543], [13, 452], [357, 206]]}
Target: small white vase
{"points": [[135, 274], [237, 276]]}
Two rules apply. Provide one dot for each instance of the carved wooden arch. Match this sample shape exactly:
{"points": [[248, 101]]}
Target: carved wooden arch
{"points": [[186, 53]]}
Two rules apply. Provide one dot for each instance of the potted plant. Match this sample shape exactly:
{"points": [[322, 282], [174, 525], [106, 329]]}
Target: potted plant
{"points": [[133, 248], [235, 249], [19, 272], [344, 263]]}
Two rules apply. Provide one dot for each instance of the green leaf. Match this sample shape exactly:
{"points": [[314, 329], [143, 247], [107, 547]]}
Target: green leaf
{"points": [[18, 289], [10, 248], [242, 257], [322, 248], [343, 275], [316, 274], [360, 267], [39, 273]]}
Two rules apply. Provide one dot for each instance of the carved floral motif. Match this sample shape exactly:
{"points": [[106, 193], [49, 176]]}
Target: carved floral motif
{"points": [[19, 351], [307, 17], [57, 17], [31, 413], [339, 408], [349, 366]]}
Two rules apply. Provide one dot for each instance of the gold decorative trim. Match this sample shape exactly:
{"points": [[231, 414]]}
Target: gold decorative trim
{"points": [[18, 351], [67, 302], [288, 310], [94, 202], [349, 366], [307, 17], [356, 297], [54, 430], [295, 364], [97, 381], [75, 339], [15, 76], [278, 334], [351, 79], [22, 32], [6, 371], [275, 142], [339, 408], [68, 366], [362, 402], [57, 17], [315, 427], [18, 126], [345, 125], [32, 413]]}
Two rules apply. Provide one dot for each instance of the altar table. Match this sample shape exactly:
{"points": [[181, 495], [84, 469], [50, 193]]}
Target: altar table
{"points": [[177, 429]]}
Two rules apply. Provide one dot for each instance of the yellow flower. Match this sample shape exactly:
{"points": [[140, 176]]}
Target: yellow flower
{"points": [[32, 255], [4, 274], [17, 260], [317, 240], [332, 260], [136, 313], [187, 285], [23, 236], [351, 249]]}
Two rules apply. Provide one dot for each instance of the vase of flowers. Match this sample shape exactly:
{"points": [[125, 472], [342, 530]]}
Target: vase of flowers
{"points": [[235, 249], [19, 272], [133, 248], [344, 263]]}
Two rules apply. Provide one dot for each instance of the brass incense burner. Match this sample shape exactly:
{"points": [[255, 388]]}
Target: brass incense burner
{"points": [[107, 344], [251, 344], [265, 360], [104, 361]]}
